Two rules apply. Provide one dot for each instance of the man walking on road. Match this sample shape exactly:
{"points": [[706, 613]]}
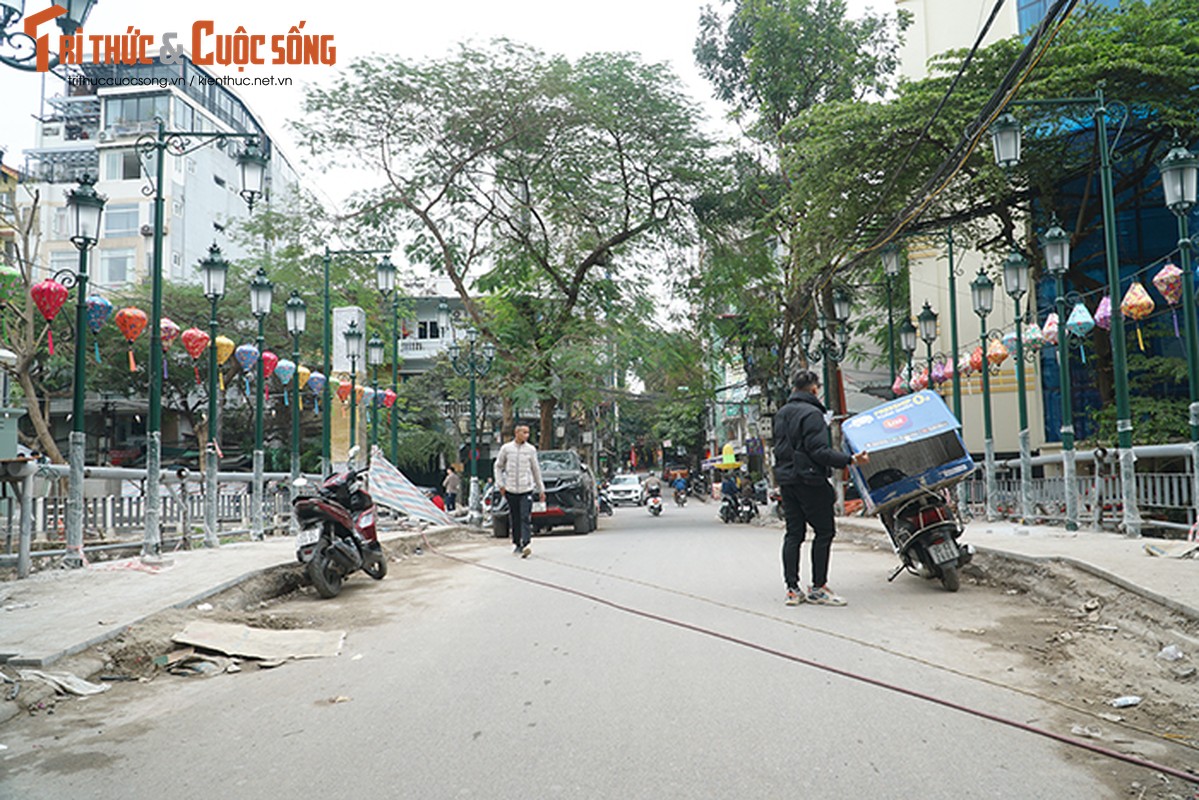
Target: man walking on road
{"points": [[518, 475], [452, 485], [803, 462]]}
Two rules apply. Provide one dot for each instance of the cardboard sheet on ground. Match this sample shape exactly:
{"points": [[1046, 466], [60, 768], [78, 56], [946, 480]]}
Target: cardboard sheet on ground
{"points": [[240, 640]]}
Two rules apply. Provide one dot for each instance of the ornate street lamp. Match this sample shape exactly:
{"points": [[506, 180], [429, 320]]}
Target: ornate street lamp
{"points": [[1056, 243], [252, 165], [890, 254], [473, 366], [296, 312], [260, 306], [155, 147], [19, 50], [353, 337], [85, 208], [374, 357], [1180, 183], [982, 295], [214, 269], [1005, 134], [1015, 282], [385, 282], [927, 318], [907, 341]]}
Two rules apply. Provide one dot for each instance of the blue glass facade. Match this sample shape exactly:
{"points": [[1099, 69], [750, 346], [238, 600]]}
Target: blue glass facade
{"points": [[1031, 12]]}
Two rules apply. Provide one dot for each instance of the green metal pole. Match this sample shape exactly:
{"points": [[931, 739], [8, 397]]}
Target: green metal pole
{"points": [[1022, 411], [891, 328], [353, 400], [257, 531], [1192, 345], [375, 407], [953, 330], [212, 458], [152, 539], [78, 438], [1132, 515], [295, 412], [989, 443], [475, 504], [326, 392], [1067, 429], [395, 376]]}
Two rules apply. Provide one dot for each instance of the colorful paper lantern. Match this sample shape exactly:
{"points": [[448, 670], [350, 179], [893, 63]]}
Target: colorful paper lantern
{"points": [[389, 398], [49, 296], [316, 382], [1168, 281], [302, 376], [247, 356], [1137, 305], [1033, 337], [270, 362], [195, 342], [131, 321], [1103, 314], [224, 350], [976, 359], [99, 309], [997, 353], [965, 368], [900, 387], [1050, 332], [285, 370], [10, 282]]}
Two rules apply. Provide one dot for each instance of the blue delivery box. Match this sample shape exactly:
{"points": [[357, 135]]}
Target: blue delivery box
{"points": [[915, 446]]}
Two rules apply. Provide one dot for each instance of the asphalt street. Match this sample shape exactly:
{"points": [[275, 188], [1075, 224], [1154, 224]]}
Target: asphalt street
{"points": [[653, 658]]}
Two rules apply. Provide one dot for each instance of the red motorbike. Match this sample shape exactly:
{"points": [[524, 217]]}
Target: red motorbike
{"points": [[337, 533]]}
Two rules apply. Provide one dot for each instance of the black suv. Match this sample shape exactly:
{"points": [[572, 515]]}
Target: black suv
{"points": [[569, 496]]}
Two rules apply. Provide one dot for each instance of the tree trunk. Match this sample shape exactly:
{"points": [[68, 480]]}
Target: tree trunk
{"points": [[507, 419], [40, 426], [546, 441]]}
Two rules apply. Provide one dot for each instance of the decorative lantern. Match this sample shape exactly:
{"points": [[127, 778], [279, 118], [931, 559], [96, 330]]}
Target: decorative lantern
{"points": [[1103, 314], [1050, 332], [195, 342], [1168, 281], [131, 322], [49, 296], [1137, 305], [99, 309], [224, 350]]}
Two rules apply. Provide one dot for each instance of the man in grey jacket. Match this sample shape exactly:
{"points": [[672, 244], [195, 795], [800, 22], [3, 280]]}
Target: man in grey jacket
{"points": [[518, 475], [803, 462]]}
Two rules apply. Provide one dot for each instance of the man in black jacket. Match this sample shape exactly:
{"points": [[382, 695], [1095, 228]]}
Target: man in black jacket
{"points": [[803, 462]]}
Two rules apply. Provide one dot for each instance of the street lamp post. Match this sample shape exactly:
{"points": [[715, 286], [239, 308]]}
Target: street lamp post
{"points": [[1015, 283], [907, 341], [927, 318], [296, 311], [327, 347], [214, 268], [353, 337], [252, 166], [1180, 183], [374, 357], [1006, 140], [890, 255], [982, 294], [260, 306], [1057, 262], [18, 48], [85, 208], [831, 351], [385, 282], [473, 367]]}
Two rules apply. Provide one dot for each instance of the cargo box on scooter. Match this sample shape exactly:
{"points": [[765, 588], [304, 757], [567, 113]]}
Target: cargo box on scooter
{"points": [[915, 446]]}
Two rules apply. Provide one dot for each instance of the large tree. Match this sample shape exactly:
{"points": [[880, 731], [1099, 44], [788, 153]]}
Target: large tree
{"points": [[518, 173]]}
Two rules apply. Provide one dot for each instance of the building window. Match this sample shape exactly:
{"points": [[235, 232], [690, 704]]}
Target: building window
{"points": [[133, 112], [122, 165], [121, 220], [63, 259], [427, 329], [116, 267]]}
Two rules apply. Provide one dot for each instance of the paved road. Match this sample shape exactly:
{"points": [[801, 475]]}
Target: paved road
{"points": [[477, 674]]}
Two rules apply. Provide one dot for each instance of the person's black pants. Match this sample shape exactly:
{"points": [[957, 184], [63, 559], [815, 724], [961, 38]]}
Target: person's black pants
{"points": [[804, 505], [520, 517]]}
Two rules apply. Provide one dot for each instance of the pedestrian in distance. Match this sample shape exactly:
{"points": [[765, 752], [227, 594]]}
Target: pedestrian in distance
{"points": [[452, 485], [803, 462], [519, 475]]}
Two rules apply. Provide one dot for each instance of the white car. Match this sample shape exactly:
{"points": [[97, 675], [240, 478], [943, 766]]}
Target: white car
{"points": [[625, 489]]}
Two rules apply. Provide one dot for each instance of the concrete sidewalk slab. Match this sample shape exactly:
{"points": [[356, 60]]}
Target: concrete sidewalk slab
{"points": [[57, 613]]}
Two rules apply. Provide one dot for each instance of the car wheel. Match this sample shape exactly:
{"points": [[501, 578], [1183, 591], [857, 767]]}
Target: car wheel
{"points": [[499, 527]]}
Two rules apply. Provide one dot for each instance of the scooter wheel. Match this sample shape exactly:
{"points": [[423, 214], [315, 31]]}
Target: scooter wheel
{"points": [[950, 578], [324, 576], [376, 566]]}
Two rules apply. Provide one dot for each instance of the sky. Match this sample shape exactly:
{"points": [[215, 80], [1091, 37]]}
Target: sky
{"points": [[660, 30]]}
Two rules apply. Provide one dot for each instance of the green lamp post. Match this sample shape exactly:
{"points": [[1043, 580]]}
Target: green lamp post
{"points": [[1056, 244], [260, 306], [214, 270], [982, 295], [385, 282], [374, 357], [473, 365], [353, 337], [1015, 283], [296, 312], [890, 254], [927, 319], [84, 207]]}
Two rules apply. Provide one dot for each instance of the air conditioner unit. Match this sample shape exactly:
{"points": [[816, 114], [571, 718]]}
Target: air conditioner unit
{"points": [[104, 136], [148, 230]]}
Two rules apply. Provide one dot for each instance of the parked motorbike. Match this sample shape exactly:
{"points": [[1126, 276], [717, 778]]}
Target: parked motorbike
{"points": [[729, 509], [924, 533], [337, 532], [654, 502]]}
